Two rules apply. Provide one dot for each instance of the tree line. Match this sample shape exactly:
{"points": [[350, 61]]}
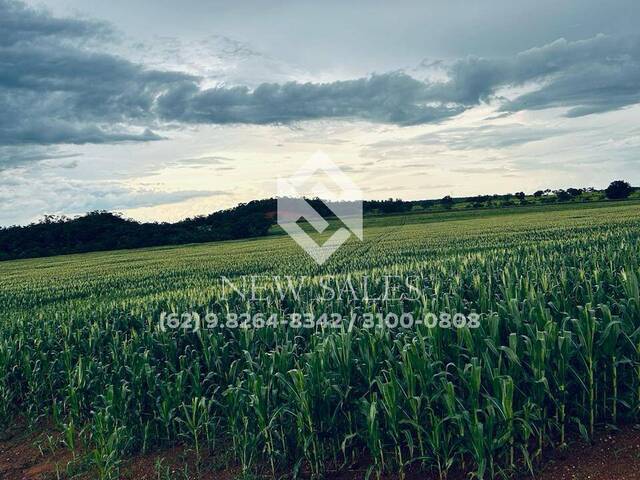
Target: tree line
{"points": [[102, 230]]}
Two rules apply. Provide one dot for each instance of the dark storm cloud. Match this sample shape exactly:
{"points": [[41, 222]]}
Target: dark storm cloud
{"points": [[19, 23], [388, 98], [596, 75], [16, 156], [52, 132], [55, 90], [589, 76]]}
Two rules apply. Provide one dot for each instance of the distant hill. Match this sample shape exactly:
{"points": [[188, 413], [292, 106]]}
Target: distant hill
{"points": [[102, 230]]}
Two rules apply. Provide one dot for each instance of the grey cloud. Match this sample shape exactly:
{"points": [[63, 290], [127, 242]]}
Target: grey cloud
{"points": [[117, 198], [12, 156], [204, 161], [216, 58], [587, 76], [20, 23], [54, 90], [67, 165], [481, 170], [26, 197], [592, 89], [488, 136], [418, 165], [387, 98], [492, 137], [590, 76], [55, 132]]}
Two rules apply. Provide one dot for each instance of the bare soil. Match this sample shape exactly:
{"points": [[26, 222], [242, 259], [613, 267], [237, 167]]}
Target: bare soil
{"points": [[31, 455], [613, 456], [39, 455]]}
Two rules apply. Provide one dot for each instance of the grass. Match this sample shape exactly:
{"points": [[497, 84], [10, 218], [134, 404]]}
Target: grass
{"points": [[557, 352], [462, 213]]}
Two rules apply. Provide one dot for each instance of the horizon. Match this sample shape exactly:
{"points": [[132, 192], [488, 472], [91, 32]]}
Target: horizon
{"points": [[546, 192]]}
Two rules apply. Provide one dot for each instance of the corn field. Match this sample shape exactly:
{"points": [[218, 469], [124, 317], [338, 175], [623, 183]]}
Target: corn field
{"points": [[556, 355]]}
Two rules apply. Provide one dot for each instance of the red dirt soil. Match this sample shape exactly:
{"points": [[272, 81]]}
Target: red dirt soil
{"points": [[21, 459], [614, 456]]}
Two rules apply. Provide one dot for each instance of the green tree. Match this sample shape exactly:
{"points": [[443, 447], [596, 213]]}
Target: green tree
{"points": [[618, 189], [447, 201]]}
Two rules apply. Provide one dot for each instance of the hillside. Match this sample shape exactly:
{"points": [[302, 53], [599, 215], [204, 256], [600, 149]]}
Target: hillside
{"points": [[101, 230]]}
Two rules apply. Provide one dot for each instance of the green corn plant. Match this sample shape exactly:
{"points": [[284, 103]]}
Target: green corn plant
{"points": [[302, 411], [195, 420], [373, 438], [585, 326], [561, 377], [506, 408], [109, 441], [557, 342], [390, 400], [609, 350]]}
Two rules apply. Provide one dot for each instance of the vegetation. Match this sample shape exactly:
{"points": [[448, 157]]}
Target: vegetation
{"points": [[556, 353], [100, 230], [618, 189]]}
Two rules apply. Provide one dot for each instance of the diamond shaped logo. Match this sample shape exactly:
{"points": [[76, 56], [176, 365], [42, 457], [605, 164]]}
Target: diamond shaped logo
{"points": [[319, 178]]}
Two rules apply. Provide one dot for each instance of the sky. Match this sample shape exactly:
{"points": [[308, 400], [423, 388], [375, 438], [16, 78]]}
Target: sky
{"points": [[162, 110]]}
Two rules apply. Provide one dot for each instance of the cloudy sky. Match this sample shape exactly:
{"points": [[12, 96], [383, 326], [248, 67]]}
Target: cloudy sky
{"points": [[163, 110]]}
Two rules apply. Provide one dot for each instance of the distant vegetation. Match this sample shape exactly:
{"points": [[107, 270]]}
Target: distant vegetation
{"points": [[618, 190], [102, 230], [555, 355]]}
